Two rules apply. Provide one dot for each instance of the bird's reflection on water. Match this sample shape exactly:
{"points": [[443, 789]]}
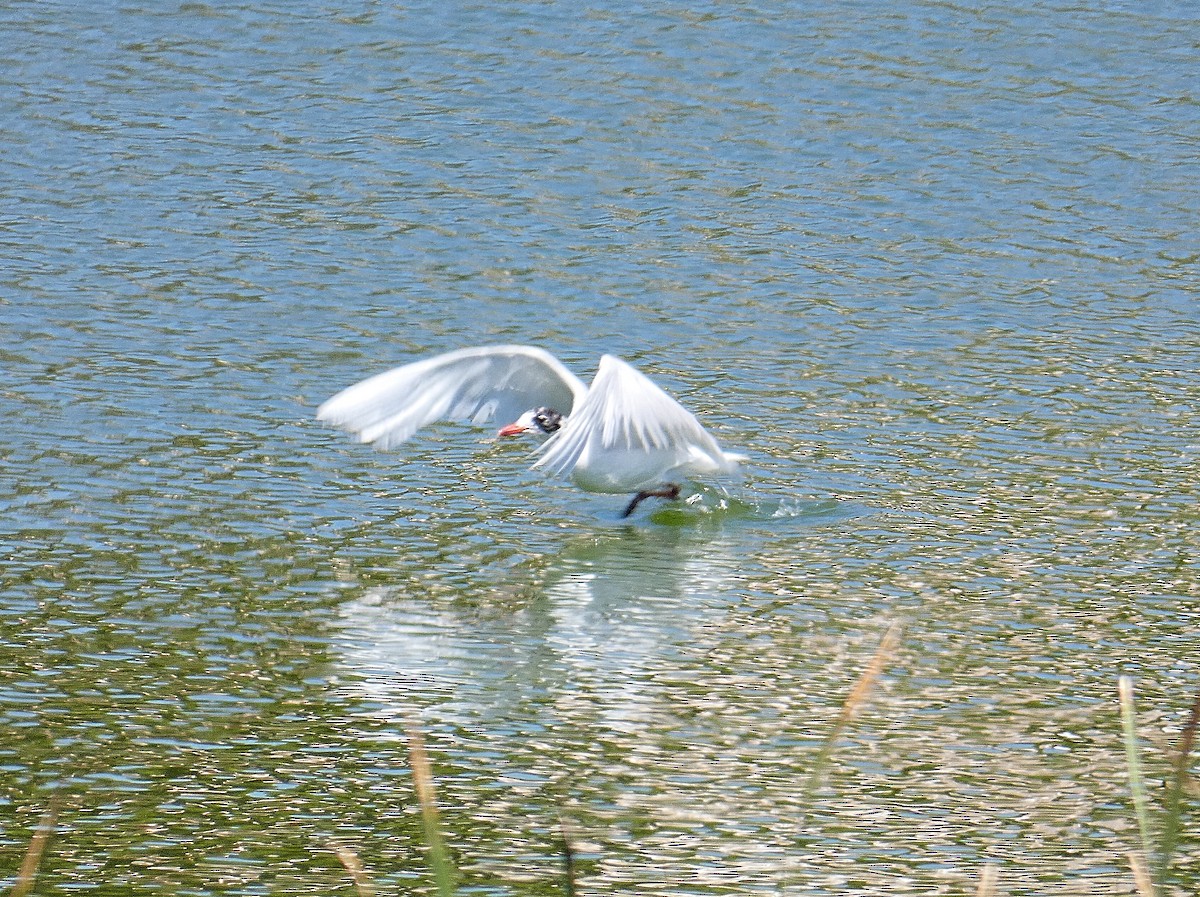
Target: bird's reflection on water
{"points": [[608, 606], [596, 622]]}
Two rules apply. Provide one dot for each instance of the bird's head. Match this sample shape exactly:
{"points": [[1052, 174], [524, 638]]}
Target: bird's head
{"points": [[538, 420]]}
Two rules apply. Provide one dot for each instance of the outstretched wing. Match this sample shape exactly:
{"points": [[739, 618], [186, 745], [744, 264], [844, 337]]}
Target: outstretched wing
{"points": [[628, 434], [477, 385]]}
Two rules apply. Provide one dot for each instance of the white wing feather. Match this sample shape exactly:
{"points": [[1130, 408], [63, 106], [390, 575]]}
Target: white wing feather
{"points": [[478, 384], [629, 435]]}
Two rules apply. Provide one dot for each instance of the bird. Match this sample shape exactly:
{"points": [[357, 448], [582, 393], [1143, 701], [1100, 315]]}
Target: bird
{"points": [[621, 434]]}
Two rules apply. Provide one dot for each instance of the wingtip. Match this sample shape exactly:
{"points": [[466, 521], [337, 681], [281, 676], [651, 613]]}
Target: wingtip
{"points": [[332, 410]]}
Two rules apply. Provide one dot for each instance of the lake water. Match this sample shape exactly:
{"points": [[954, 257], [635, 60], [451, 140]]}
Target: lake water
{"points": [[933, 266]]}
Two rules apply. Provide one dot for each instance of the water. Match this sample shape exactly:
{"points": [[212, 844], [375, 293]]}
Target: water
{"points": [[933, 267]]}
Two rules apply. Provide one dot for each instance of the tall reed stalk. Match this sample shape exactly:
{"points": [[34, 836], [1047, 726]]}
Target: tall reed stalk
{"points": [[1137, 787], [988, 876], [353, 865], [854, 702], [439, 858], [27, 874]]}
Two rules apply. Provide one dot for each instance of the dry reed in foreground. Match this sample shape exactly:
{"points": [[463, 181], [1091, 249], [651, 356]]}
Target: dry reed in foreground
{"points": [[358, 872], [854, 702], [439, 858], [27, 874], [988, 876]]}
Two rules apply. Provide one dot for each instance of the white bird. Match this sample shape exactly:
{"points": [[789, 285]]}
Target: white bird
{"points": [[622, 434]]}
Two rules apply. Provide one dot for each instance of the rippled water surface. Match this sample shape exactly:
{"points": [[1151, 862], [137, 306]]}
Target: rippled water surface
{"points": [[932, 266]]}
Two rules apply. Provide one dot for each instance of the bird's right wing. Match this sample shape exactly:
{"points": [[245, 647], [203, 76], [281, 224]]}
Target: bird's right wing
{"points": [[478, 385], [628, 433]]}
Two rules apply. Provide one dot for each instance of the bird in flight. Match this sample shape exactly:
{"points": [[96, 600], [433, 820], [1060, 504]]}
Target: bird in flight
{"points": [[621, 434]]}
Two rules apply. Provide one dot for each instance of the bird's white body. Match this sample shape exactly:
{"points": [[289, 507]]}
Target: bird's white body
{"points": [[622, 434]]}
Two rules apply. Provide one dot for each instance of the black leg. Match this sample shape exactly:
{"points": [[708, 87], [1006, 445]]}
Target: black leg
{"points": [[668, 491]]}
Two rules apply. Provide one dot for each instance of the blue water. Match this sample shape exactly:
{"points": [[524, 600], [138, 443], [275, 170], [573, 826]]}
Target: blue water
{"points": [[932, 267]]}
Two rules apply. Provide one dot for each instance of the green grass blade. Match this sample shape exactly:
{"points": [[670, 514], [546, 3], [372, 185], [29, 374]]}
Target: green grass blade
{"points": [[1137, 783], [439, 858]]}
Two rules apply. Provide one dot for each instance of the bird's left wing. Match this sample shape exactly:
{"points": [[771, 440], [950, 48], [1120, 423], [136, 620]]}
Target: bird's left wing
{"points": [[477, 384]]}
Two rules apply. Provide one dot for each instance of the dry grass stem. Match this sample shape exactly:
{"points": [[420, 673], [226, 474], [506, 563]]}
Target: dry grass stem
{"points": [[866, 681], [854, 702], [27, 874], [1141, 875], [422, 774], [358, 872], [439, 857], [989, 875]]}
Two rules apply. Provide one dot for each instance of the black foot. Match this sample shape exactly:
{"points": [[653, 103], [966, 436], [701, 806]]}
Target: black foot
{"points": [[669, 491]]}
